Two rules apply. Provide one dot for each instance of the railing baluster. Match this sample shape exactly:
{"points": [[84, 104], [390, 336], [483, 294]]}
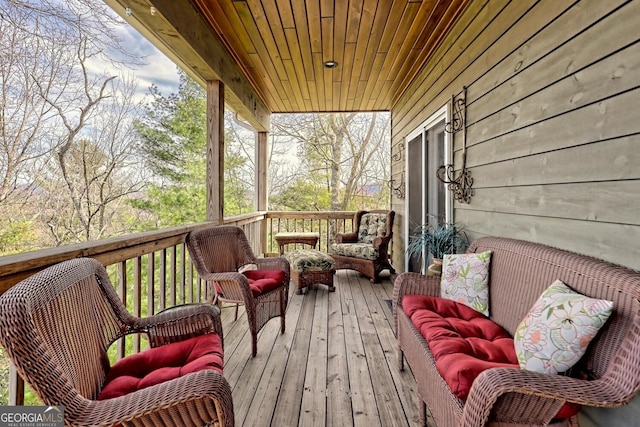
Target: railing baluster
{"points": [[16, 387], [190, 282], [150, 281], [162, 276], [172, 275], [199, 289], [183, 274], [137, 297], [122, 290], [269, 227]]}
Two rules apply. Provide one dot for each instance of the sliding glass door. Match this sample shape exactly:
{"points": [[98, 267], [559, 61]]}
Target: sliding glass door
{"points": [[427, 199]]}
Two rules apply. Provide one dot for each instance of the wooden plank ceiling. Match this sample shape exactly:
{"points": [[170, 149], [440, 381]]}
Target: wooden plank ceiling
{"points": [[379, 45]]}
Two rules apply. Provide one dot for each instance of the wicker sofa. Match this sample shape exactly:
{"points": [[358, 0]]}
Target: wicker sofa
{"points": [[608, 375]]}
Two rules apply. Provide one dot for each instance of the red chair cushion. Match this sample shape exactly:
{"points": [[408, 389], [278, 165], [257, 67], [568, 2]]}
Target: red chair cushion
{"points": [[164, 363], [464, 343], [261, 281]]}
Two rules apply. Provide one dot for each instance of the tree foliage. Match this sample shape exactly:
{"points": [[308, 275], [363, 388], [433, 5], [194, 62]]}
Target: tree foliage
{"points": [[95, 170], [58, 111], [65, 132], [173, 136], [344, 155], [303, 195], [66, 140]]}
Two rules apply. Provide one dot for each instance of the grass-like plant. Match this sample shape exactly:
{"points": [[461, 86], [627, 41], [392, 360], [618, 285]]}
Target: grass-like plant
{"points": [[440, 240]]}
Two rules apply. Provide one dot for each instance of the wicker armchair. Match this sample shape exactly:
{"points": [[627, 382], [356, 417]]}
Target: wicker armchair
{"points": [[218, 253], [57, 325], [366, 249]]}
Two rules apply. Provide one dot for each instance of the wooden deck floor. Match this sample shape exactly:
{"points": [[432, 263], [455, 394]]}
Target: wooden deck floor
{"points": [[334, 366]]}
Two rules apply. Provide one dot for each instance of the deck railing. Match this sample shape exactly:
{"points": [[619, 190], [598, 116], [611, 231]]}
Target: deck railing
{"points": [[153, 271], [326, 224]]}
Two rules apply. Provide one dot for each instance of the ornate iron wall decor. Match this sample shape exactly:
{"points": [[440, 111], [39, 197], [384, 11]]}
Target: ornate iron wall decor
{"points": [[461, 183], [399, 156], [397, 186], [459, 117]]}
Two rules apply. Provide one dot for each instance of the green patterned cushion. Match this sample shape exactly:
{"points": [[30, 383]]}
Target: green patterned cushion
{"points": [[355, 250], [372, 226], [310, 260]]}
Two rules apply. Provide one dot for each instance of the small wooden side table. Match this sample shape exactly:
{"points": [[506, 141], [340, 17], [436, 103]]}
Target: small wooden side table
{"points": [[283, 239]]}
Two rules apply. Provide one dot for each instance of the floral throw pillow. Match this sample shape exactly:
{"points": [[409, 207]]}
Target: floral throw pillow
{"points": [[465, 279], [559, 327]]}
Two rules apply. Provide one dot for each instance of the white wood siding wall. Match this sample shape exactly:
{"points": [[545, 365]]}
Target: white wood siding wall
{"points": [[553, 128]]}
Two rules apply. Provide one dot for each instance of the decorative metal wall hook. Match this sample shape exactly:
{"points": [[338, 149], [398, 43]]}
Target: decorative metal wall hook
{"points": [[399, 156], [398, 186], [460, 184], [459, 114]]}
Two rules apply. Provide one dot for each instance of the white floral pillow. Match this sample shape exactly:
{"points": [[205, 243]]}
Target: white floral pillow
{"points": [[559, 327], [465, 279]]}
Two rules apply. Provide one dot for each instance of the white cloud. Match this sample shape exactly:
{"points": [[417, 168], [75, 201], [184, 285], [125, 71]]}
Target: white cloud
{"points": [[156, 68], [146, 64]]}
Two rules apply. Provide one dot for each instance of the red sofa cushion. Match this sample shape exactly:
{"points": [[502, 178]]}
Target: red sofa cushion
{"points": [[463, 341], [260, 281], [163, 363]]}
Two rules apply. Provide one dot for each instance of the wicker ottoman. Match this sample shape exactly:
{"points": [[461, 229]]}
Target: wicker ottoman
{"points": [[309, 266]]}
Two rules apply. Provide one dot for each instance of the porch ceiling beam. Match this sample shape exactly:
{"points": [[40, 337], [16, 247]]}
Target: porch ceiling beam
{"points": [[178, 31]]}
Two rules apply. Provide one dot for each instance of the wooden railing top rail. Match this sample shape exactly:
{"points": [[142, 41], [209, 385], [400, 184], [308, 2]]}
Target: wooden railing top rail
{"points": [[244, 219], [310, 214], [14, 268]]}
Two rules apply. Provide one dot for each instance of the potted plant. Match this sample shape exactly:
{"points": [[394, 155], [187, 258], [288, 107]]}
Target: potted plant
{"points": [[438, 241]]}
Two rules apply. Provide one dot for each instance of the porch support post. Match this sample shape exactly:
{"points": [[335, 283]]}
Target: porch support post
{"points": [[215, 151], [262, 204], [262, 157]]}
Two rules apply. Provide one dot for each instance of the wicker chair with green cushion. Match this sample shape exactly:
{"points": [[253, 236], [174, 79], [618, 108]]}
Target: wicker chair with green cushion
{"points": [[367, 249], [219, 253], [57, 326]]}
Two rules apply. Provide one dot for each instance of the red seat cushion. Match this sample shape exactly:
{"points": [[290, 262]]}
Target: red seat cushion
{"points": [[260, 281], [464, 342], [163, 363]]}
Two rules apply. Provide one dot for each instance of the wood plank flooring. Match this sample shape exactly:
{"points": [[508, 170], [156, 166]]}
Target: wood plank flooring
{"points": [[334, 366]]}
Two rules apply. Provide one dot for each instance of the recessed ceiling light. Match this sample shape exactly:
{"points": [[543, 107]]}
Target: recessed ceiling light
{"points": [[330, 64]]}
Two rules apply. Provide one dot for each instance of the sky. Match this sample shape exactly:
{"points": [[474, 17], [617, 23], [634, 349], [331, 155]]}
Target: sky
{"points": [[156, 68]]}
